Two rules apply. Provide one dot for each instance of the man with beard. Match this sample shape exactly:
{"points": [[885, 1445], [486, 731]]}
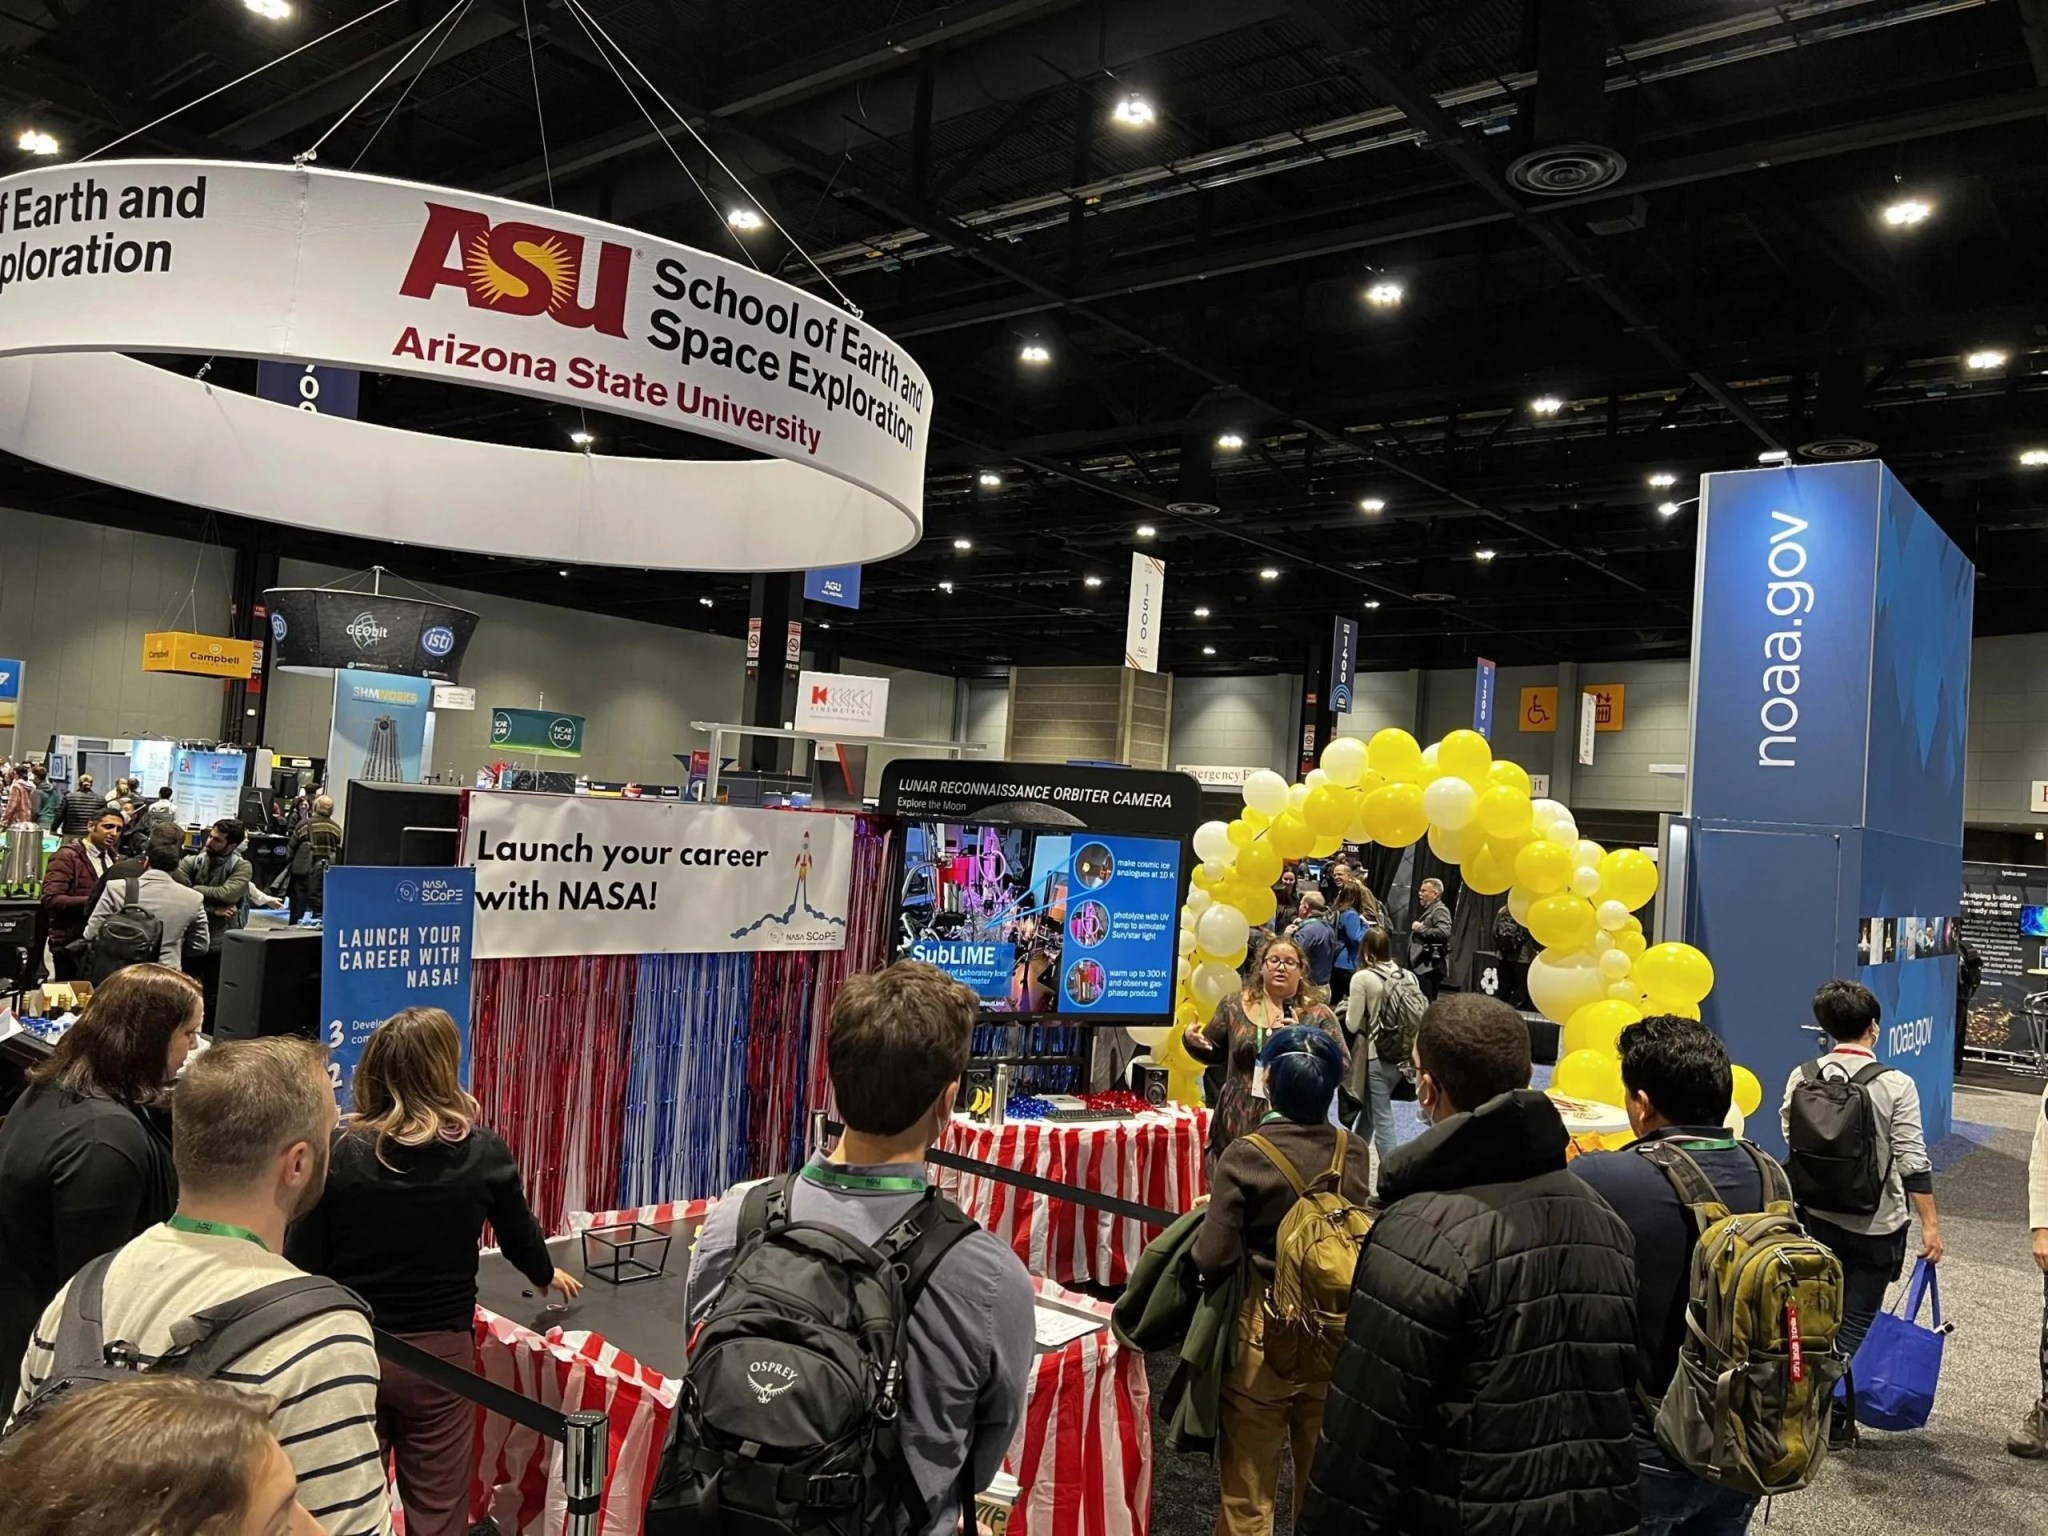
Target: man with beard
{"points": [[250, 1124]]}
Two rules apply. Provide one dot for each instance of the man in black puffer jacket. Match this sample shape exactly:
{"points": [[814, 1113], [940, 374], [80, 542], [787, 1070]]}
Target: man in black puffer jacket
{"points": [[1484, 1383]]}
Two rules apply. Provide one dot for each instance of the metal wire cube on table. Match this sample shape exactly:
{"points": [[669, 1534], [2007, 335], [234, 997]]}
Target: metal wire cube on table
{"points": [[617, 1259]]}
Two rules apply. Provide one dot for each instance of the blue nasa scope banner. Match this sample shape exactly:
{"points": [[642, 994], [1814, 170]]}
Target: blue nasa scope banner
{"points": [[391, 939]]}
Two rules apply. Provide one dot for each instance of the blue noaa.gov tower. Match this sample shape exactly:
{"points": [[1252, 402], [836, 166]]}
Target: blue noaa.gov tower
{"points": [[1830, 700]]}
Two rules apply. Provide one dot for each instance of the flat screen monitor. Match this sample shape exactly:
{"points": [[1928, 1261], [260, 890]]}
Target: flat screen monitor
{"points": [[388, 823], [1045, 923], [2034, 922]]}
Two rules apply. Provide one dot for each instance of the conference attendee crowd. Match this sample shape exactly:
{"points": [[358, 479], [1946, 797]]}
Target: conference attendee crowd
{"points": [[1477, 1328]]}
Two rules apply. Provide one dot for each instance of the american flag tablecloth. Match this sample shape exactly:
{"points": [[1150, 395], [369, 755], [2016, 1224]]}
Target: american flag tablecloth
{"points": [[1082, 1455], [1154, 1160]]}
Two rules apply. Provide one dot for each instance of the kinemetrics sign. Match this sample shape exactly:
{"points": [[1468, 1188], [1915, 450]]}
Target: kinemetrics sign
{"points": [[345, 272]]}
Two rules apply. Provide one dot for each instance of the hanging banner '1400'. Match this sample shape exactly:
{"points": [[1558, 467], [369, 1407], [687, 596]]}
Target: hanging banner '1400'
{"points": [[571, 875]]}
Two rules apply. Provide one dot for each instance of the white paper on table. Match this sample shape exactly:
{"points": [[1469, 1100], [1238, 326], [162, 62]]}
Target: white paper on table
{"points": [[1057, 1325]]}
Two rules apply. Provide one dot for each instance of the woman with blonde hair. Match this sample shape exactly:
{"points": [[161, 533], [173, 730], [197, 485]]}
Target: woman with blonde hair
{"points": [[85, 1154], [1276, 996], [411, 1183], [156, 1456]]}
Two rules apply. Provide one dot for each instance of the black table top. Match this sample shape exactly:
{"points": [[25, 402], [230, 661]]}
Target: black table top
{"points": [[648, 1319]]}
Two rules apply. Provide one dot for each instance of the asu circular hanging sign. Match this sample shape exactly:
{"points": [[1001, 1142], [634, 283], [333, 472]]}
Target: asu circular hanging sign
{"points": [[284, 261]]}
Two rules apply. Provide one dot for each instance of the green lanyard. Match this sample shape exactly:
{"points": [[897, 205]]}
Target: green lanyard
{"points": [[1727, 1145], [215, 1229], [1270, 1116], [833, 1177]]}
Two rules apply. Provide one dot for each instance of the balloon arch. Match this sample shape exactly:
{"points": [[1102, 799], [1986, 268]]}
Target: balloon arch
{"points": [[1597, 973]]}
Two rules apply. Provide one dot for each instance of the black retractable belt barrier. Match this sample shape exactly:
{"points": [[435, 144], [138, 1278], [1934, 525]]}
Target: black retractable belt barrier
{"points": [[1078, 1194], [583, 1434]]}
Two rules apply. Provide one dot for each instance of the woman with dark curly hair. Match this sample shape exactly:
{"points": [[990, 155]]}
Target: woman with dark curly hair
{"points": [[1277, 996]]}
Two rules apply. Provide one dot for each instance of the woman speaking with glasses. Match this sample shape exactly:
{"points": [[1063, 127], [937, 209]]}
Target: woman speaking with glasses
{"points": [[1276, 996]]}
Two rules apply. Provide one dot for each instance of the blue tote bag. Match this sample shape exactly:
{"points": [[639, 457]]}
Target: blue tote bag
{"points": [[1899, 1362]]}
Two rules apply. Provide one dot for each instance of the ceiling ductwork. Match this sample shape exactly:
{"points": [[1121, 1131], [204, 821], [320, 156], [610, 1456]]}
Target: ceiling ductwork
{"points": [[1569, 153], [1842, 426]]}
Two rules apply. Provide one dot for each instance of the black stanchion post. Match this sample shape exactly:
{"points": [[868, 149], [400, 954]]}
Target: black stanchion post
{"points": [[583, 1470]]}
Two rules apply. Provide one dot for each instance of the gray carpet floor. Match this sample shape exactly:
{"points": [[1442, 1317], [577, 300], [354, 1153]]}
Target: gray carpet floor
{"points": [[1955, 1475]]}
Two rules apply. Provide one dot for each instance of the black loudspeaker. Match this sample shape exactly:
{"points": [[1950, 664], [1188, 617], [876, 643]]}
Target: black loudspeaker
{"points": [[269, 984], [22, 931], [1149, 1084]]}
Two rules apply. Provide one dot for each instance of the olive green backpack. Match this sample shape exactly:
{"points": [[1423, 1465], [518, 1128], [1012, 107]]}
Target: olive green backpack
{"points": [[1749, 1403], [1314, 1256]]}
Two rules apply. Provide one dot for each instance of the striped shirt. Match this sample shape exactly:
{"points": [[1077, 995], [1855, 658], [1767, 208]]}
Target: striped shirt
{"points": [[322, 1374]]}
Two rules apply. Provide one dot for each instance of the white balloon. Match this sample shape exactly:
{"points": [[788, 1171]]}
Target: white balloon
{"points": [[1601, 942], [1455, 847], [1585, 882], [1624, 991], [1151, 1036], [1223, 930], [1429, 766], [1450, 803], [1612, 915], [1544, 812], [1199, 900], [1186, 970], [1586, 854], [1344, 760], [1266, 792], [1186, 941], [1315, 778], [1564, 832], [1214, 873], [1297, 794], [1519, 902], [1615, 964], [1560, 989], [1212, 983], [1213, 845]]}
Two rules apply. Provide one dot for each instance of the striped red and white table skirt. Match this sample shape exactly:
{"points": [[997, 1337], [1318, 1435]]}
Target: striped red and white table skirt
{"points": [[1083, 1455], [1154, 1160]]}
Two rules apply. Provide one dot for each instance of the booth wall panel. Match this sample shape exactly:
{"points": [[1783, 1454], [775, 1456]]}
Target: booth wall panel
{"points": [[1235, 722], [987, 714], [2008, 737], [1380, 700], [1065, 714], [1148, 718]]}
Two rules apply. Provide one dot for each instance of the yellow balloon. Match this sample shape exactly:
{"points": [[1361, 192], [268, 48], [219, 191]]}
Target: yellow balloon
{"points": [[1394, 814], [1542, 867], [1598, 1026], [1504, 774], [1594, 1075], [1396, 754], [1237, 957], [1631, 944], [1505, 813], [1200, 879], [1456, 847], [1465, 755], [1344, 760], [1242, 834], [1371, 780], [1629, 876], [1325, 846], [1255, 818], [1187, 1015], [1749, 1093], [1258, 904], [1676, 972], [1562, 921], [1653, 1004], [1259, 863], [1291, 836], [1488, 871], [1327, 810]]}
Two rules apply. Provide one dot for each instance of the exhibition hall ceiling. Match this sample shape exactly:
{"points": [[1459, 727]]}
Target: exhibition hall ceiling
{"points": [[1428, 314]]}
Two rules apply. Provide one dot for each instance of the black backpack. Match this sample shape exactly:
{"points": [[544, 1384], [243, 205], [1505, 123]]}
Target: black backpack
{"points": [[202, 1346], [789, 1417], [1840, 1158], [132, 936]]}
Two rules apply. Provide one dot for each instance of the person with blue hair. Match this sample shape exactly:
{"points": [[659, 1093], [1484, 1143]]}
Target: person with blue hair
{"points": [[1262, 1413]]}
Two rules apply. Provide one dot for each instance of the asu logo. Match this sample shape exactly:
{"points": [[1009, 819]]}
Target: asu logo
{"points": [[519, 269]]}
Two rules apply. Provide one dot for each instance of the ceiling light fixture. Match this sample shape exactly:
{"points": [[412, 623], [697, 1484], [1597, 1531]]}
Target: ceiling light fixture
{"points": [[1208, 650], [1270, 573], [34, 141], [1774, 456], [561, 573], [1091, 581], [1037, 353], [945, 586], [1667, 509], [824, 624], [1663, 480], [1546, 405], [582, 439], [703, 602], [1145, 531], [2034, 458], [1484, 554], [1907, 212], [1371, 603], [1988, 357], [1385, 294], [989, 480], [963, 544], [746, 220], [1134, 111], [1229, 442], [1202, 613], [269, 10], [1372, 504]]}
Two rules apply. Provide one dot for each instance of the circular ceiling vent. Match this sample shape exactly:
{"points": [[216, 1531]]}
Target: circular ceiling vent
{"points": [[1436, 597], [1844, 445], [1193, 508], [1566, 170]]}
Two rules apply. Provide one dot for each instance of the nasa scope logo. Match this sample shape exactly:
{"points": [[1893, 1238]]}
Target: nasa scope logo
{"points": [[438, 641]]}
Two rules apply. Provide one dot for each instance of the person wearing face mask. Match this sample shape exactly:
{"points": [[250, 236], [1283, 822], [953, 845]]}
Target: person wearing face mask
{"points": [[85, 1154], [156, 1456], [1487, 1377], [250, 1125], [1276, 997], [896, 1047]]}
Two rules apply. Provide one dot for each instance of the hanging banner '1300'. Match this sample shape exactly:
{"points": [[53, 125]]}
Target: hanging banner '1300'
{"points": [[570, 875]]}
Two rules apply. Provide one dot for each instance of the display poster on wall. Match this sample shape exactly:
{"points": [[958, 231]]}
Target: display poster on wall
{"points": [[2005, 919], [838, 704], [10, 690], [380, 729], [1147, 614], [207, 786], [391, 939], [566, 875]]}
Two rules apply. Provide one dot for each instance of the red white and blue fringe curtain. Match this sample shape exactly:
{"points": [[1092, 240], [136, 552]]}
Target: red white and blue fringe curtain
{"points": [[621, 1081]]}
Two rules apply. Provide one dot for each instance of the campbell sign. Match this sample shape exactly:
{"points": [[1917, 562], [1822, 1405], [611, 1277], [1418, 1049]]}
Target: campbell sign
{"points": [[331, 268], [177, 650], [319, 629]]}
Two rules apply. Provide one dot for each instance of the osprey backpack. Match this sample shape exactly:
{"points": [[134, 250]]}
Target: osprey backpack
{"points": [[790, 1413]]}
